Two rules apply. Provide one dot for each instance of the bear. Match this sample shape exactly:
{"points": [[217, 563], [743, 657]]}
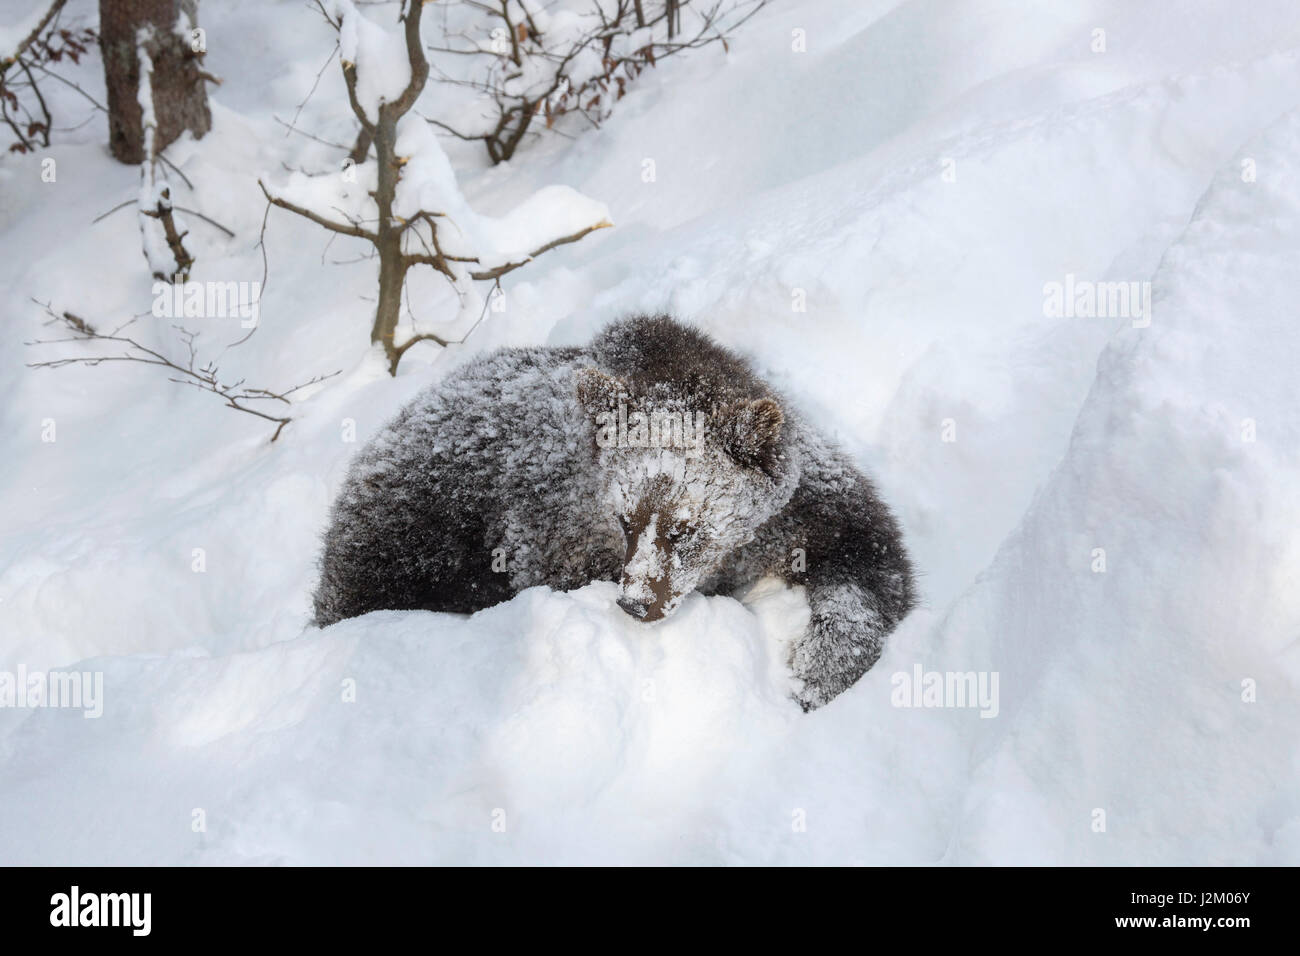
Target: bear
{"points": [[654, 458]]}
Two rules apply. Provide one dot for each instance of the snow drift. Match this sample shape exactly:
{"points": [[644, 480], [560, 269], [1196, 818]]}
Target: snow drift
{"points": [[1146, 712]]}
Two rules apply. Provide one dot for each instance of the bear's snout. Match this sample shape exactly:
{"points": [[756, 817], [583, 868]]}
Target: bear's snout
{"points": [[646, 592], [637, 609], [647, 602]]}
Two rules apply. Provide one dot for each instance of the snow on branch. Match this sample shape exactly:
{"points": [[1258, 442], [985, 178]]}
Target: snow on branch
{"points": [[405, 201], [519, 63], [164, 246]]}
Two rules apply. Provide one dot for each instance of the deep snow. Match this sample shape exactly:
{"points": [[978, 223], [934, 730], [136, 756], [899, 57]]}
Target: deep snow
{"points": [[582, 735]]}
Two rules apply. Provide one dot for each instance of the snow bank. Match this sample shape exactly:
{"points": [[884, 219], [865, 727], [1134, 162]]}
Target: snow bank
{"points": [[398, 737], [1157, 698], [1162, 690]]}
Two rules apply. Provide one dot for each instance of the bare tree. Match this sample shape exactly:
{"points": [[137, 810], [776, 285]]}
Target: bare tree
{"points": [[518, 63], [180, 98], [401, 242]]}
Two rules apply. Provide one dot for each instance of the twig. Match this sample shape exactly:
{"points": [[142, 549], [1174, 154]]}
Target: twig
{"points": [[28, 40], [121, 205], [294, 129], [66, 82], [184, 209], [205, 376], [176, 169], [347, 230], [499, 271], [208, 220]]}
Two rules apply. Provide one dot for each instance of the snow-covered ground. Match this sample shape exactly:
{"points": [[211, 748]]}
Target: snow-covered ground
{"points": [[1104, 511]]}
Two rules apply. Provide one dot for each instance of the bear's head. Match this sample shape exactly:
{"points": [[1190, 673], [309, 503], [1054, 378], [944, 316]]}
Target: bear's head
{"points": [[684, 481]]}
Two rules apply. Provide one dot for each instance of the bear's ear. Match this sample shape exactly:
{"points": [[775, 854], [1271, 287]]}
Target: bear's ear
{"points": [[598, 391], [751, 433]]}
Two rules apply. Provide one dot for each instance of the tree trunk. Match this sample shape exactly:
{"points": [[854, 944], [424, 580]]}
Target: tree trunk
{"points": [[388, 243], [180, 99]]}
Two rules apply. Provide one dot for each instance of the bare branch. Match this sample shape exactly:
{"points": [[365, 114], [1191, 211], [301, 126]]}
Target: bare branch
{"points": [[66, 82], [207, 219], [351, 229], [176, 169], [293, 129], [319, 73], [205, 377], [513, 107], [28, 40], [189, 212], [498, 271], [415, 55], [175, 239], [400, 350], [350, 81]]}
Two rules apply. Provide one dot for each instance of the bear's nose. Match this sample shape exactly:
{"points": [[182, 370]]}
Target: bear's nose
{"points": [[636, 608]]}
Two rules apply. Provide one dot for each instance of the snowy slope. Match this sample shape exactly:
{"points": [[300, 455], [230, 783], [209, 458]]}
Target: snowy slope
{"points": [[591, 738], [1125, 689]]}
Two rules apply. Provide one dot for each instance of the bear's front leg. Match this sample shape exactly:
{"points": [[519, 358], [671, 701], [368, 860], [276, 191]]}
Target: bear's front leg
{"points": [[844, 639], [858, 579]]}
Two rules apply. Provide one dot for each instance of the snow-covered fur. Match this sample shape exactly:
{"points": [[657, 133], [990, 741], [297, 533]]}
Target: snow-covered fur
{"points": [[655, 458]]}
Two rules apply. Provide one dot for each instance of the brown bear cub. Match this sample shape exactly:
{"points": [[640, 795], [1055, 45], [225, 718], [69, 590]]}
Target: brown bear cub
{"points": [[653, 457]]}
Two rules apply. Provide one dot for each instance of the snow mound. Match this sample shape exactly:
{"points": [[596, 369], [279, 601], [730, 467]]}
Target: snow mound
{"points": [[405, 736], [912, 178], [1160, 686]]}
